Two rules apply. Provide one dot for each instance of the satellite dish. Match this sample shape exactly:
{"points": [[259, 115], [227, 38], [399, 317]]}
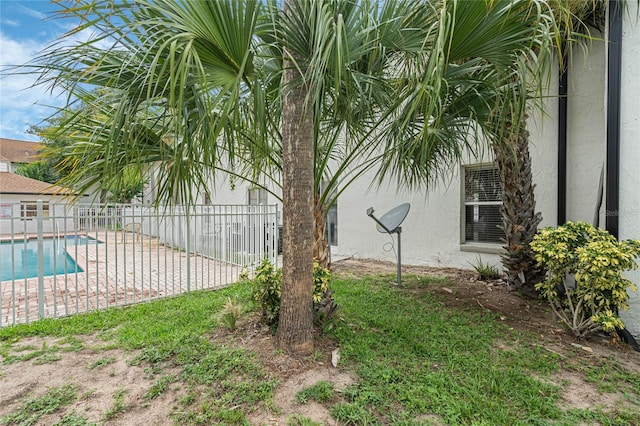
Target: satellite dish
{"points": [[390, 221]]}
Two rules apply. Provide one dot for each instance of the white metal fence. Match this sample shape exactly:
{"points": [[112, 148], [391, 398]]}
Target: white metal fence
{"points": [[59, 259]]}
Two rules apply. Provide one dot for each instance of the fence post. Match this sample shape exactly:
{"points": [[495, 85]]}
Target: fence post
{"points": [[39, 218], [188, 248]]}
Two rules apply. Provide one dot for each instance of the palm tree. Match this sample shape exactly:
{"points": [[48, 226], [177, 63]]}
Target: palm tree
{"points": [[295, 324], [195, 87], [519, 216]]}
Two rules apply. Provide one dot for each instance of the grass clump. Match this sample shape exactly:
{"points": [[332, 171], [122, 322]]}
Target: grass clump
{"points": [[47, 358], [231, 313], [299, 420], [34, 408], [118, 407], [159, 387], [74, 419], [320, 392], [485, 271], [102, 362], [44, 355]]}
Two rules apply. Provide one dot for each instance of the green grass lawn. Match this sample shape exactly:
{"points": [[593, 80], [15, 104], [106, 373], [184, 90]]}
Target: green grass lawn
{"points": [[415, 362]]}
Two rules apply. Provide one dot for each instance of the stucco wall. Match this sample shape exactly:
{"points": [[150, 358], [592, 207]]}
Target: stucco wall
{"points": [[543, 137], [586, 130], [430, 233], [629, 208]]}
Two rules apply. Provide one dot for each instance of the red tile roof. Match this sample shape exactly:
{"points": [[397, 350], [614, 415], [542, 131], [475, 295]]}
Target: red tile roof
{"points": [[19, 151], [11, 183]]}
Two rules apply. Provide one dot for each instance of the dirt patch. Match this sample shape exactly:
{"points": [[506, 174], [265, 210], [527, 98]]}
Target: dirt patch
{"points": [[100, 374], [285, 397]]}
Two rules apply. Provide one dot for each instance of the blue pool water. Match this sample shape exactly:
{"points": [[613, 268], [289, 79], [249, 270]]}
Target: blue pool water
{"points": [[24, 257]]}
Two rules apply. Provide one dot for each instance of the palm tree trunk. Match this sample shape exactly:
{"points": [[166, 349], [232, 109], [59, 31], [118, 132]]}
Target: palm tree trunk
{"points": [[295, 328], [320, 244], [519, 217]]}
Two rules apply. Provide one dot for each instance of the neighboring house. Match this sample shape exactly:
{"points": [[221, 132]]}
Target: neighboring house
{"points": [[15, 188], [19, 195], [19, 189], [455, 224], [14, 153], [19, 198]]}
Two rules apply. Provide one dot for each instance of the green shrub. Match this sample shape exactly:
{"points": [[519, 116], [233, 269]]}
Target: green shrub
{"points": [[596, 260], [268, 290]]}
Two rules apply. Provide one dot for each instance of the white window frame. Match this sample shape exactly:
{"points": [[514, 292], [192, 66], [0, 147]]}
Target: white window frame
{"points": [[260, 196], [29, 209], [330, 219], [470, 244]]}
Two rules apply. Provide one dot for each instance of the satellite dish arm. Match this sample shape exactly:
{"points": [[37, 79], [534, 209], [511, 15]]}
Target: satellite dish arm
{"points": [[370, 214]]}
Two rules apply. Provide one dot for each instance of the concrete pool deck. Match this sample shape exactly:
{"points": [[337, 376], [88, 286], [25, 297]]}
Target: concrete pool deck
{"points": [[125, 268]]}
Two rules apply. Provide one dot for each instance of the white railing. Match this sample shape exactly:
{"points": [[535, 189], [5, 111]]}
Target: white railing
{"points": [[121, 254]]}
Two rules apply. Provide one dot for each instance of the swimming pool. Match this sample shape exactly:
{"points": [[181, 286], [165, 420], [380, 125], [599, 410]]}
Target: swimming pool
{"points": [[19, 260]]}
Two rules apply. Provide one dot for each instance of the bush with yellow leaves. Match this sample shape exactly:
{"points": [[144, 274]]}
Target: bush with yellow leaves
{"points": [[268, 289], [584, 282]]}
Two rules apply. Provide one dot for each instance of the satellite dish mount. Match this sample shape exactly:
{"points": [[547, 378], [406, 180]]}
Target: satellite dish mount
{"points": [[390, 223]]}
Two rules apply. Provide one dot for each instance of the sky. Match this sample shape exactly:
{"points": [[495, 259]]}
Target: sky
{"points": [[26, 28]]}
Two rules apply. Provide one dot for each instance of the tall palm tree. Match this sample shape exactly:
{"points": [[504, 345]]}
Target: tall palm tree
{"points": [[295, 324], [247, 88], [519, 216]]}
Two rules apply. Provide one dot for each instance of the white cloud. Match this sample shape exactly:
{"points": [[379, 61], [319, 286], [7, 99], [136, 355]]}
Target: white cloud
{"points": [[9, 22], [32, 12], [22, 103]]}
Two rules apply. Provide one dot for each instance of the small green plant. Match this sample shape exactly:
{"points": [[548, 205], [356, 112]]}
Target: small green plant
{"points": [[101, 362], [159, 387], [300, 420], [351, 414], [320, 392], [268, 290], [230, 314], [47, 358], [118, 406], [486, 271], [74, 419], [584, 283]]}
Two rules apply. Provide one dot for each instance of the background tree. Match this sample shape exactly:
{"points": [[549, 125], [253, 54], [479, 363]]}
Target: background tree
{"points": [[38, 170], [129, 185]]}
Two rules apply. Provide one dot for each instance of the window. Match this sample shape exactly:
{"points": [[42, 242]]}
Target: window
{"points": [[482, 201], [331, 218], [332, 225], [257, 196], [29, 209]]}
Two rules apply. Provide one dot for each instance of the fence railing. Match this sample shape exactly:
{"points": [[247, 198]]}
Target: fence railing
{"points": [[58, 259]]}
